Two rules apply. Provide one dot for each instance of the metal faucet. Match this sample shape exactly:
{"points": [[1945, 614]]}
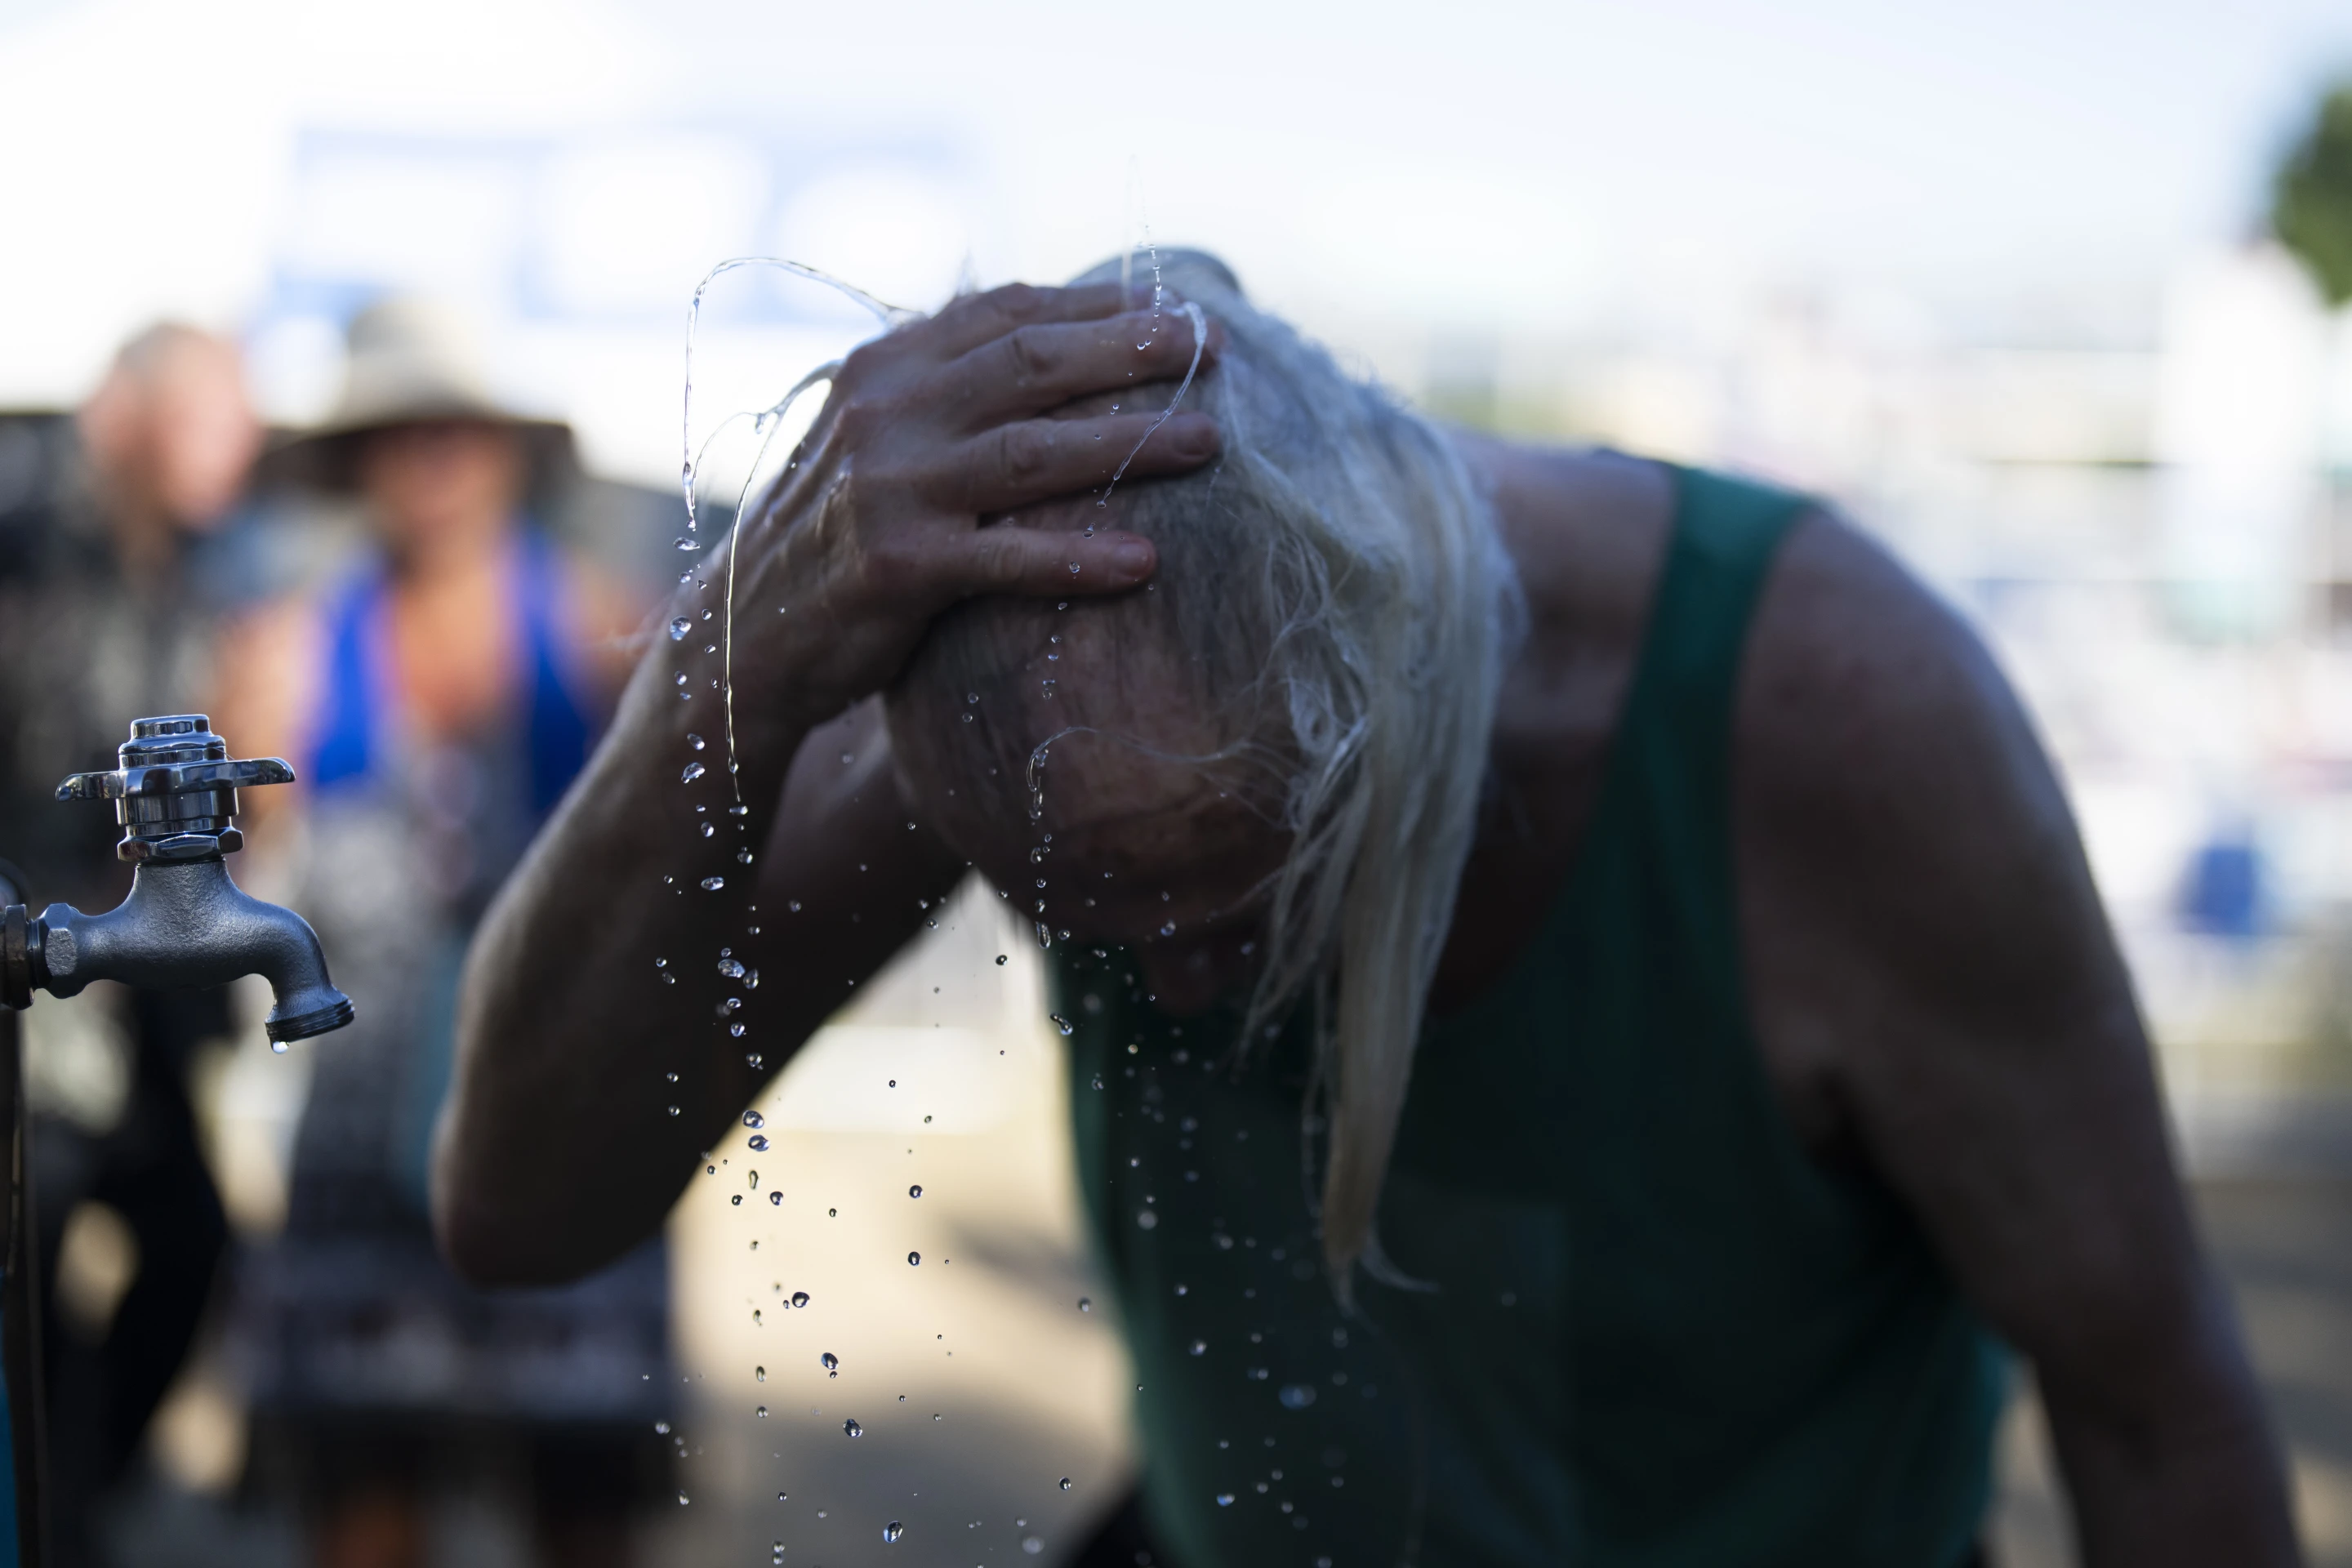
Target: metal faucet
{"points": [[186, 922]]}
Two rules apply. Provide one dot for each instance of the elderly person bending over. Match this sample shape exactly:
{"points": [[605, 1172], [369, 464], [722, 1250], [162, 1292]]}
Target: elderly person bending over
{"points": [[1639, 906]]}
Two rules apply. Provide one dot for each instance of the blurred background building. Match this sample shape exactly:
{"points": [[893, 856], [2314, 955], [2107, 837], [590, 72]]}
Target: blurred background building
{"points": [[2018, 285]]}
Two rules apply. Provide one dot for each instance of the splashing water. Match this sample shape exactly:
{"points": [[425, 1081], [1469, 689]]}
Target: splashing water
{"points": [[767, 424], [1193, 314]]}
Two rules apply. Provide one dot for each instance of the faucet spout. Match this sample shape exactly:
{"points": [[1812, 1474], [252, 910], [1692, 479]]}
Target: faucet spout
{"points": [[188, 924], [186, 921]]}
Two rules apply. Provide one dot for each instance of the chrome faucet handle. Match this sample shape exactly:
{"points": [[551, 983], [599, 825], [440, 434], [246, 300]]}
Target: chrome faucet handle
{"points": [[186, 921], [175, 790]]}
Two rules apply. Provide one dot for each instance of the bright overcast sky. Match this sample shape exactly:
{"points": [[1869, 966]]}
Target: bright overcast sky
{"points": [[1477, 164]]}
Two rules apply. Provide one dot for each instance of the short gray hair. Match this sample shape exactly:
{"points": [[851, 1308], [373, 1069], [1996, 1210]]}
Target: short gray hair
{"points": [[1335, 588]]}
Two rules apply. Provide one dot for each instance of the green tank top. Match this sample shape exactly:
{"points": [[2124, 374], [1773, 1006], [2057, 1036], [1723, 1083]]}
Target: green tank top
{"points": [[1655, 1333]]}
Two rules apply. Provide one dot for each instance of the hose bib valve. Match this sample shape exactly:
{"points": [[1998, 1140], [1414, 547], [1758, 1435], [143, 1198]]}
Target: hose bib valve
{"points": [[186, 922]]}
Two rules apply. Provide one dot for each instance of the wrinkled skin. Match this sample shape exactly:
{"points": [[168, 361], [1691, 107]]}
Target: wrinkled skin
{"points": [[1931, 980]]}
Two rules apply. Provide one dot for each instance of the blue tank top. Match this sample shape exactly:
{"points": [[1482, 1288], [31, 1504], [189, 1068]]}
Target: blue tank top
{"points": [[358, 700]]}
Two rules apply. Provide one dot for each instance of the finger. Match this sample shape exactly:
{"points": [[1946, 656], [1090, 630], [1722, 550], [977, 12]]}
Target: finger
{"points": [[966, 322], [1032, 460], [1006, 559], [1043, 365]]}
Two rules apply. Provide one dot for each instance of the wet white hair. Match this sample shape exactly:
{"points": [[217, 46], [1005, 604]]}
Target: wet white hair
{"points": [[1335, 584]]}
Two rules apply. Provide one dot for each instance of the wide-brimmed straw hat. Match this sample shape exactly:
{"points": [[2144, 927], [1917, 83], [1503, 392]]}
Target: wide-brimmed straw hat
{"points": [[409, 360]]}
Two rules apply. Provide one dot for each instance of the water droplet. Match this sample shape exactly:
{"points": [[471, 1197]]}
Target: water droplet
{"points": [[736, 1031], [758, 1374], [681, 1500], [673, 1110], [685, 543], [1062, 1023], [1200, 1347], [709, 829], [916, 1191], [913, 1258], [693, 742], [1296, 1395], [1066, 1483], [758, 1142], [830, 1362], [1146, 1220], [1224, 1499], [892, 1531], [678, 626], [742, 857], [712, 884], [762, 1412], [732, 967], [693, 771], [1085, 1304], [852, 1428], [1168, 930], [1000, 960], [753, 1119], [681, 678], [776, 1197], [1031, 1545], [738, 810], [800, 1298]]}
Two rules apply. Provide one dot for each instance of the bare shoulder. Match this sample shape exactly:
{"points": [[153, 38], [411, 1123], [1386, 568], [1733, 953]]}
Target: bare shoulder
{"points": [[1876, 739], [1909, 870]]}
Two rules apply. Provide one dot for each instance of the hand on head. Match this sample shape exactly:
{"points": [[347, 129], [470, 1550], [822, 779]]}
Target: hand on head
{"points": [[930, 433]]}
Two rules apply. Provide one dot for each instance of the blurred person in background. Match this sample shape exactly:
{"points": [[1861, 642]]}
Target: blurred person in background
{"points": [[117, 558], [1590, 1024], [435, 703]]}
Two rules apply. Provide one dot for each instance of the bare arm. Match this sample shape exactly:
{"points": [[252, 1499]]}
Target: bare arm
{"points": [[566, 1136], [1928, 953]]}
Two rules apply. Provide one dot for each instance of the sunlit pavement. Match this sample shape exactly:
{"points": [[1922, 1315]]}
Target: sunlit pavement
{"points": [[976, 1382]]}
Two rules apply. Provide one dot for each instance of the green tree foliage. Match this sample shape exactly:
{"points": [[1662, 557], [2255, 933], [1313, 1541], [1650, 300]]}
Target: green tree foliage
{"points": [[2311, 200]]}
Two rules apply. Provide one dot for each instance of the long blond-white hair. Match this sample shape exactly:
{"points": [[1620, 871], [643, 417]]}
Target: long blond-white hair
{"points": [[1335, 581]]}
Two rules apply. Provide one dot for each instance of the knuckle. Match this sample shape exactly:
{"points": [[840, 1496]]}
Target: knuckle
{"points": [[860, 366], [997, 560], [1034, 355], [860, 414], [1018, 301], [1023, 451]]}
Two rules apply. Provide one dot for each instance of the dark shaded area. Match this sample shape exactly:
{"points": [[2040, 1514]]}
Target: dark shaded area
{"points": [[150, 1170]]}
